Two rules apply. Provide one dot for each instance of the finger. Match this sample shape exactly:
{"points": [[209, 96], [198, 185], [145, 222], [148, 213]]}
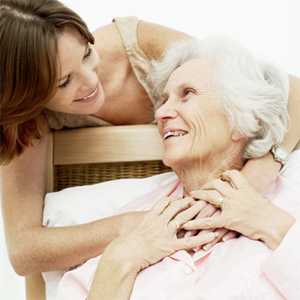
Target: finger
{"points": [[203, 232], [205, 223], [219, 185], [230, 235], [190, 233], [207, 211], [222, 232], [176, 207], [235, 178], [189, 213], [194, 241], [210, 196], [160, 205]]}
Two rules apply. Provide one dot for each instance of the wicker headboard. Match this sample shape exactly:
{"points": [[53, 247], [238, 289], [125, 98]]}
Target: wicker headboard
{"points": [[90, 155]]}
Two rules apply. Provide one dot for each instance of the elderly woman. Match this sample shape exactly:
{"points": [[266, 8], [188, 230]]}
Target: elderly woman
{"points": [[218, 109]]}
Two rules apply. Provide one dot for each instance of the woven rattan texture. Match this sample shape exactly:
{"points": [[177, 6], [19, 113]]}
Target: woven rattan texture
{"points": [[74, 175]]}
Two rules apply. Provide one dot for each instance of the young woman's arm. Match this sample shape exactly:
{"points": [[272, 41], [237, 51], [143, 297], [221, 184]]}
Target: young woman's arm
{"points": [[292, 138], [262, 171], [154, 39], [32, 247]]}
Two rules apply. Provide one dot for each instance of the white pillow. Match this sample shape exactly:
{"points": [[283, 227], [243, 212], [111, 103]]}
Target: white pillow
{"points": [[83, 204]]}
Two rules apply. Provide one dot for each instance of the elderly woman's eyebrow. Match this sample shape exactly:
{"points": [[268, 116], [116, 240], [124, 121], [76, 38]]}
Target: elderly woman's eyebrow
{"points": [[184, 85], [164, 96]]}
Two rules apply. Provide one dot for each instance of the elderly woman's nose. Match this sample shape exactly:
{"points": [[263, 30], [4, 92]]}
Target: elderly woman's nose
{"points": [[165, 112]]}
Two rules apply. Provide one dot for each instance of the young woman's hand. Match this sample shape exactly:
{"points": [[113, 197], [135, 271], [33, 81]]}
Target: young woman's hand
{"points": [[261, 172], [243, 210], [155, 237]]}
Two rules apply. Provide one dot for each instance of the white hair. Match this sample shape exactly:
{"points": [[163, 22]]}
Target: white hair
{"points": [[254, 94]]}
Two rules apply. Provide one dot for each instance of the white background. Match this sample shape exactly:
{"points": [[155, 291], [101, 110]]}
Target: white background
{"points": [[269, 28]]}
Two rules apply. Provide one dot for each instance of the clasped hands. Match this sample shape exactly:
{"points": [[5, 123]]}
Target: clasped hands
{"points": [[222, 209], [239, 208]]}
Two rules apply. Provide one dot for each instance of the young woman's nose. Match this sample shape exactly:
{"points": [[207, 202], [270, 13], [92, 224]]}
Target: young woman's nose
{"points": [[89, 79]]}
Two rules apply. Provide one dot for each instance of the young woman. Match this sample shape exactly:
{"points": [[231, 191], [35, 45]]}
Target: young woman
{"points": [[54, 73]]}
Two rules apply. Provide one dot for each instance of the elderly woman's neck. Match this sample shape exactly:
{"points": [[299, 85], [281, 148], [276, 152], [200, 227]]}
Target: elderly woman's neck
{"points": [[196, 174]]}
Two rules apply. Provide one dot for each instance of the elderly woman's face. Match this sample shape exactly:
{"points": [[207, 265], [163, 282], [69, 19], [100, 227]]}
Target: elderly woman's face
{"points": [[192, 121]]}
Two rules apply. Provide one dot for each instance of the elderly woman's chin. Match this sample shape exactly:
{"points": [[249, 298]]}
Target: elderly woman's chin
{"points": [[176, 157]]}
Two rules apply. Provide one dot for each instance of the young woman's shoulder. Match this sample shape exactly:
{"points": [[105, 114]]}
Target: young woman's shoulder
{"points": [[154, 39], [108, 43]]}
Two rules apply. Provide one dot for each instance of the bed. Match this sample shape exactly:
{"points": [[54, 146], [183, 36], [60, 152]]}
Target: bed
{"points": [[90, 155]]}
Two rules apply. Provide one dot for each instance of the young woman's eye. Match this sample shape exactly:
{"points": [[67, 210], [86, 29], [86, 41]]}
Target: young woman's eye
{"points": [[65, 83], [88, 53]]}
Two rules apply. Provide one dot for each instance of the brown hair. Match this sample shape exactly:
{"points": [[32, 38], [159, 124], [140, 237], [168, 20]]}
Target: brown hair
{"points": [[28, 67]]}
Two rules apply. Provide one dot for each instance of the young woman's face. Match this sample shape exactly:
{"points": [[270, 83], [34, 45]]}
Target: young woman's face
{"points": [[79, 90]]}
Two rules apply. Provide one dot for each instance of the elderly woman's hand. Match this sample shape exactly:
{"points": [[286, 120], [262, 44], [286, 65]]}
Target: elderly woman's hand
{"points": [[208, 210], [243, 210], [155, 237]]}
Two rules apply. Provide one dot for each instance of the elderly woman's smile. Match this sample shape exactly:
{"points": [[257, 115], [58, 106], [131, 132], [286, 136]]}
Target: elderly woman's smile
{"points": [[170, 132]]}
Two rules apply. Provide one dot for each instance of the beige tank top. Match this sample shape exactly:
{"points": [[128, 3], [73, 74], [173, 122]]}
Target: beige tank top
{"points": [[127, 28]]}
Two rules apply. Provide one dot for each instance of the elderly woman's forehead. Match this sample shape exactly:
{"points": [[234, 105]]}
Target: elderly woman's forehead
{"points": [[195, 70], [195, 65]]}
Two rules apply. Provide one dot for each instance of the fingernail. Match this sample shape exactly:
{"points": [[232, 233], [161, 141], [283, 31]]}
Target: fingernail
{"points": [[206, 247], [216, 234], [212, 235]]}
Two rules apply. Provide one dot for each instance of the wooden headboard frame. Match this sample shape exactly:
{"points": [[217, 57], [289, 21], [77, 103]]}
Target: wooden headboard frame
{"points": [[96, 145]]}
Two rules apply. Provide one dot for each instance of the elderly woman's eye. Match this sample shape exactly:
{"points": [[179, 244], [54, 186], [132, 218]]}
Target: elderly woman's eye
{"points": [[188, 91]]}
